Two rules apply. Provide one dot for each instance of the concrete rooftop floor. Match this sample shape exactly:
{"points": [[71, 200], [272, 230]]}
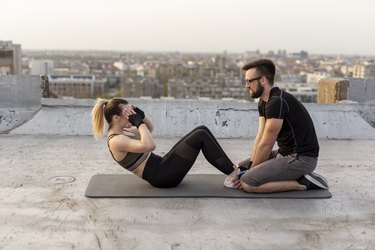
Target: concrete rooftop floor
{"points": [[43, 180]]}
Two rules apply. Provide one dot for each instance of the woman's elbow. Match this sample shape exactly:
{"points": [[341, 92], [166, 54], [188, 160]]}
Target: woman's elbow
{"points": [[151, 147]]}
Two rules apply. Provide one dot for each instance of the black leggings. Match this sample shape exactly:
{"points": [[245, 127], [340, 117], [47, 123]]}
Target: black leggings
{"points": [[169, 170]]}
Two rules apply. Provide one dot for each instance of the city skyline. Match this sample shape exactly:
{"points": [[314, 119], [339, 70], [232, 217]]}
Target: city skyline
{"points": [[319, 27]]}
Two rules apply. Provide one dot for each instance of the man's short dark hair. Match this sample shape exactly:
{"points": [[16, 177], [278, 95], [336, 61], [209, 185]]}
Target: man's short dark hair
{"points": [[263, 67]]}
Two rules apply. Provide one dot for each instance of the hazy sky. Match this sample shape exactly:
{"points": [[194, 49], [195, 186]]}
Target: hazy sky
{"points": [[317, 26]]}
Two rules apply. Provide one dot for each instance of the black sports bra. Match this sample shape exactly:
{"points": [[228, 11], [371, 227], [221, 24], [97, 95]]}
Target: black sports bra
{"points": [[132, 160]]}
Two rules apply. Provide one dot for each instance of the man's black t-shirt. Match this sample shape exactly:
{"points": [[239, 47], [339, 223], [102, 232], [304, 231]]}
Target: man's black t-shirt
{"points": [[297, 134]]}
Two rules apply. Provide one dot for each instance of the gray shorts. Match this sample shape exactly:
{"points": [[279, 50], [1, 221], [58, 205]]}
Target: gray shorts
{"points": [[280, 168]]}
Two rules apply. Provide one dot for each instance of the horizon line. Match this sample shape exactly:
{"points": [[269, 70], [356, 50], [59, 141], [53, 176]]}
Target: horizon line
{"points": [[194, 52]]}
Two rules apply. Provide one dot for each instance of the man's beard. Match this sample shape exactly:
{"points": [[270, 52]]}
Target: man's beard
{"points": [[259, 91]]}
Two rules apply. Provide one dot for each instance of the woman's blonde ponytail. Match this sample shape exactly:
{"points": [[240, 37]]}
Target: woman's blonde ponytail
{"points": [[98, 118]]}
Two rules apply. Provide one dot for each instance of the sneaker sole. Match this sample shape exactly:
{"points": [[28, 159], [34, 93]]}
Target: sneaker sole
{"points": [[315, 182], [319, 176], [229, 185]]}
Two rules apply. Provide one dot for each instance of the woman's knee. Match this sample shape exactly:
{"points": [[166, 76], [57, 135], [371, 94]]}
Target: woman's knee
{"points": [[202, 127], [202, 132]]}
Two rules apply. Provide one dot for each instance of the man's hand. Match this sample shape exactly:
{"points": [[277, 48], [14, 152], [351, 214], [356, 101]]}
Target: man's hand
{"points": [[236, 183]]}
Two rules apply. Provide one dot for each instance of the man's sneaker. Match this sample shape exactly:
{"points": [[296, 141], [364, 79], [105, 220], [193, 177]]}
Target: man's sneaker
{"points": [[228, 182], [313, 181]]}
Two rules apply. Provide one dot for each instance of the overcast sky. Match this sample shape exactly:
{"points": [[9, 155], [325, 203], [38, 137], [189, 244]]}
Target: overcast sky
{"points": [[317, 26]]}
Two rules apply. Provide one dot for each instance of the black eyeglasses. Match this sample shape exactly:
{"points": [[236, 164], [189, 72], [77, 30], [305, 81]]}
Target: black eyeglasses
{"points": [[249, 81]]}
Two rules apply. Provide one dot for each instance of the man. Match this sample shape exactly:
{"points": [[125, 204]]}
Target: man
{"points": [[284, 119]]}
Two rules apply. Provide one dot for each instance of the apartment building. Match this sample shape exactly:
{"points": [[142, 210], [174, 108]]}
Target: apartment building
{"points": [[10, 58], [76, 86], [363, 70]]}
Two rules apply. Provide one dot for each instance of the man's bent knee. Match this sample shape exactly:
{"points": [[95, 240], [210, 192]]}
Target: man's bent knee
{"points": [[250, 180]]}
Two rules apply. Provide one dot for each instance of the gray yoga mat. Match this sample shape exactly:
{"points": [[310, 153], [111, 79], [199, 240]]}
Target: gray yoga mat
{"points": [[193, 186]]}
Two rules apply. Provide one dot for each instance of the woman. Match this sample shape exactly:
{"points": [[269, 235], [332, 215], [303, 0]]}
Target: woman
{"points": [[131, 144]]}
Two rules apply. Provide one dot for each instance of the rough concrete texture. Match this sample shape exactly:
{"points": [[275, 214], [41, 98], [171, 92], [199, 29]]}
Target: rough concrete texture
{"points": [[43, 180], [20, 91], [332, 90], [362, 90], [20, 99], [11, 118], [177, 117]]}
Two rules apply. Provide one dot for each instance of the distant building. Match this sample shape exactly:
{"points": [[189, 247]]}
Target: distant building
{"points": [[302, 91], [364, 70], [247, 55], [313, 78], [76, 86], [292, 78], [140, 86], [302, 55], [42, 67], [10, 58], [213, 89]]}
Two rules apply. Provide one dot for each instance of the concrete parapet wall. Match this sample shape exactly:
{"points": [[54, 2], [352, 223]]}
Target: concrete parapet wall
{"points": [[20, 91], [19, 99], [362, 90], [226, 119], [342, 121]]}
